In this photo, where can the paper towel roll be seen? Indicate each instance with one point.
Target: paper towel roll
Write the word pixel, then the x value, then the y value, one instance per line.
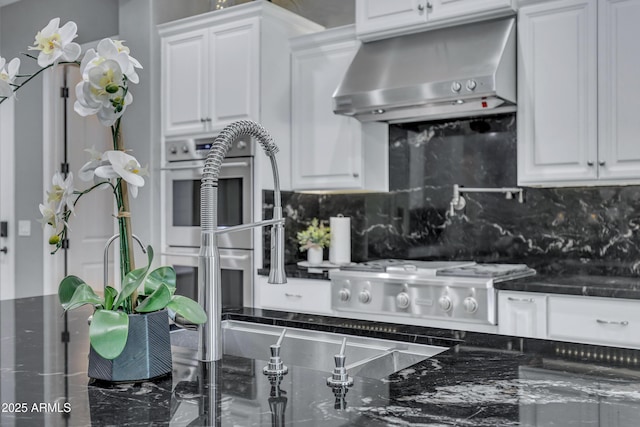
pixel 340 247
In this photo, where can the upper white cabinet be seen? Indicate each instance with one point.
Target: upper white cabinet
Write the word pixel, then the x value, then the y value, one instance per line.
pixel 329 151
pixel 211 77
pixel 577 91
pixel 377 19
pixel 228 65
pixel 185 82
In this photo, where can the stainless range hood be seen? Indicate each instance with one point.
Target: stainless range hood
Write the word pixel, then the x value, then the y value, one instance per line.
pixel 451 72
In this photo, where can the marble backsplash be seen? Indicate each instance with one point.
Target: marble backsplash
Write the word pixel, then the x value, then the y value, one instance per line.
pixel 592 229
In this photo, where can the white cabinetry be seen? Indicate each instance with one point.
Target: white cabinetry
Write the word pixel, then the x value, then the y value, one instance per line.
pixel 522 314
pixel 577 88
pixel 377 19
pixel 228 65
pixel 211 77
pixel 297 295
pixel 185 82
pixel 603 321
pixel 329 151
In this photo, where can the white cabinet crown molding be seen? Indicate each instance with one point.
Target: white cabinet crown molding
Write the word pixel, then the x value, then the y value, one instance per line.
pixel 231 14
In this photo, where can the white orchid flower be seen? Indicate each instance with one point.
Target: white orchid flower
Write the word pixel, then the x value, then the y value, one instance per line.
pixel 55 42
pixel 87 171
pixel 102 93
pixel 8 75
pixel 48 216
pixel 125 166
pixel 61 192
pixel 115 50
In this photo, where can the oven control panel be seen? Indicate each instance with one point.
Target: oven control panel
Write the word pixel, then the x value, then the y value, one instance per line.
pixel 198 148
pixel 461 299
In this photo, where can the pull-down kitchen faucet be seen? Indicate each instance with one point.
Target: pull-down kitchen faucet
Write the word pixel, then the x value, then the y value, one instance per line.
pixel 209 277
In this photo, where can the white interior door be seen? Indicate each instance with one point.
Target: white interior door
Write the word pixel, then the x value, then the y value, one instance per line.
pixel 94 222
pixel 7 201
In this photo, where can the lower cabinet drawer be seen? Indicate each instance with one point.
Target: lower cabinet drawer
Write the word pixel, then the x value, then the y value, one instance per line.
pixel 303 295
pixel 604 321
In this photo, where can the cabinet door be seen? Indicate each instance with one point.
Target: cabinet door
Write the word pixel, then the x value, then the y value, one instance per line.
pixel 522 314
pixel 602 321
pixel 235 71
pixel 557 92
pixel 456 9
pixel 185 83
pixel 380 15
pixel 619 89
pixel 326 148
pixel 297 295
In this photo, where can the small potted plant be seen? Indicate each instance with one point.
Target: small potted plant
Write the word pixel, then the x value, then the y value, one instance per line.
pixel 316 237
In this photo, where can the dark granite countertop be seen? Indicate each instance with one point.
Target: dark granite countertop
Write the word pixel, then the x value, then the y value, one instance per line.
pixel 485 380
pixel 595 285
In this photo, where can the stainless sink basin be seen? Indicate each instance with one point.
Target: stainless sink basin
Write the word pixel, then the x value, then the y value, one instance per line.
pixel 365 356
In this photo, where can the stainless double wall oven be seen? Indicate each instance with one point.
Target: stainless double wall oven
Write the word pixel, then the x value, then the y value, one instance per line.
pixel 183 170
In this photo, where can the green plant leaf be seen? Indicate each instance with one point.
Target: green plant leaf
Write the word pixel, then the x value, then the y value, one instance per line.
pixel 133 280
pixel 108 332
pixel 83 295
pixel 67 288
pixel 187 308
pixel 166 275
pixel 156 301
pixel 110 295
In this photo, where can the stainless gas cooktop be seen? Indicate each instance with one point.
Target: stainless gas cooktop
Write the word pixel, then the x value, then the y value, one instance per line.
pixel 453 290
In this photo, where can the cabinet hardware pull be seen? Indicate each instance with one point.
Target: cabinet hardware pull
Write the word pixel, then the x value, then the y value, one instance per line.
pixel 602 163
pixel 420 7
pixel 521 299
pixel 590 163
pixel 292 295
pixel 612 322
pixel 429 5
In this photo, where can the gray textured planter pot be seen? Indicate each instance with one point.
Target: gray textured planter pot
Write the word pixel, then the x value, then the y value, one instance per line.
pixel 146 355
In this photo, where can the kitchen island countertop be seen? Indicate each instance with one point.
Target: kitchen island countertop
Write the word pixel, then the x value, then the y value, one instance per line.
pixel 481 380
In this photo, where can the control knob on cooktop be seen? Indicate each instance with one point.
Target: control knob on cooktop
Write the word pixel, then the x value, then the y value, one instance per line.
pixel 445 303
pixel 402 300
pixel 364 297
pixel 470 304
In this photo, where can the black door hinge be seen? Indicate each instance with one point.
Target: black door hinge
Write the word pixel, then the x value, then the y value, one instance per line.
pixel 64 92
pixel 65 336
pixel 65 244
pixel 64 168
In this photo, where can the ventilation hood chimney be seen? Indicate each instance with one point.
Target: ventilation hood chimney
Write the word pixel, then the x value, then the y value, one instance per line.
pixel 451 72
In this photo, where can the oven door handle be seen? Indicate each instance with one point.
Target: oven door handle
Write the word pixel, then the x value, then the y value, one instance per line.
pixel 224 165
pixel 180 254
pixel 222 256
